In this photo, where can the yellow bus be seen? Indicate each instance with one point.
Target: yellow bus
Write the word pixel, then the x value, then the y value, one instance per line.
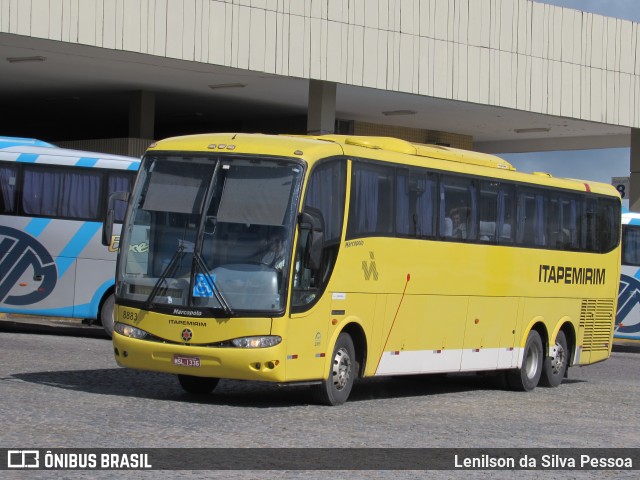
pixel 320 260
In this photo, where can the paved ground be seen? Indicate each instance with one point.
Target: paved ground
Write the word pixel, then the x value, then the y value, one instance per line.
pixel 61 390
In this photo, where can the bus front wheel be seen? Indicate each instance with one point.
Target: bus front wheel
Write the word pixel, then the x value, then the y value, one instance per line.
pixel 555 366
pixel 106 314
pixel 198 385
pixel 335 389
pixel 527 376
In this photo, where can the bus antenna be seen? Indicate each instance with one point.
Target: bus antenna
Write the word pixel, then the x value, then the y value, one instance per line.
pixel 394 320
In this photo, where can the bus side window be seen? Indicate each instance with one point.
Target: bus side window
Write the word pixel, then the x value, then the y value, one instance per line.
pixel 496 212
pixel 458 201
pixel 488 210
pixel 61 193
pixel 8 175
pixel 608 225
pixel 532 222
pixel 630 245
pixel 415 203
pixel 563 218
pixel 371 211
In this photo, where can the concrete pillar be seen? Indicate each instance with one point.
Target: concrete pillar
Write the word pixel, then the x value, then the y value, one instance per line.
pixel 321 114
pixel 142 113
pixel 634 163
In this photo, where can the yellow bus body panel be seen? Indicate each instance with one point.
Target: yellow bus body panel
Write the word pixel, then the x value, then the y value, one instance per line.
pixel 484 329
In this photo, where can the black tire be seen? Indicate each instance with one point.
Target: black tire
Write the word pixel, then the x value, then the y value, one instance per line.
pixel 106 314
pixel 526 378
pixel 336 388
pixel 198 385
pixel 554 368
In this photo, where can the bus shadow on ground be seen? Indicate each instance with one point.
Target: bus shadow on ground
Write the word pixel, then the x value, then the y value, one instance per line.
pixel 51 327
pixel 165 387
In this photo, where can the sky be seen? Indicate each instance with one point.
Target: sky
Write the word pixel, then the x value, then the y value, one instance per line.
pixel 601 164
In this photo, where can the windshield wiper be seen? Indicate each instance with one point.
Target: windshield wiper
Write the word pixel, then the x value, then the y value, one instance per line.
pixel 169 269
pixel 216 291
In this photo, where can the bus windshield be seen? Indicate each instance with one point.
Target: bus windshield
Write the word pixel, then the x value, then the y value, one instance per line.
pixel 210 232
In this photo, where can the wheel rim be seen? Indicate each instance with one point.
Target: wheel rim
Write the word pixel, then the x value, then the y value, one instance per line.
pixel 532 362
pixel 341 372
pixel 557 362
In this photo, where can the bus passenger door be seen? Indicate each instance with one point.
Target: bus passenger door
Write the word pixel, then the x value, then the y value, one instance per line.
pixel 489 335
pixel 316 252
pixel 309 321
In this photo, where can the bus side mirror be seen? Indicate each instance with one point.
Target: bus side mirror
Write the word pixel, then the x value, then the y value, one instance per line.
pixel 107 226
pixel 311 220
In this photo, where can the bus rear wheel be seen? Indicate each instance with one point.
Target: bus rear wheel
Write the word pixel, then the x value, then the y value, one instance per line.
pixel 336 388
pixel 526 378
pixel 555 366
pixel 106 314
pixel 198 385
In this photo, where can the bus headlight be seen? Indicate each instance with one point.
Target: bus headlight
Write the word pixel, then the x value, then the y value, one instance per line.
pixel 129 331
pixel 257 342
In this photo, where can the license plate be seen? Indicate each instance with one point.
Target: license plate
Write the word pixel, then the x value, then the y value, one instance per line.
pixel 181 361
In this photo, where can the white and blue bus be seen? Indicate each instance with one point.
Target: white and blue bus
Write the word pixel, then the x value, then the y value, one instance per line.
pixel 52 261
pixel 628 316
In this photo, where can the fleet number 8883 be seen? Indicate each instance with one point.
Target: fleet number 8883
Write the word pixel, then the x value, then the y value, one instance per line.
pixel 131 316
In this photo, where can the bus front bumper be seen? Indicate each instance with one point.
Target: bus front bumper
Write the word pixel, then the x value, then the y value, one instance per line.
pixel 260 364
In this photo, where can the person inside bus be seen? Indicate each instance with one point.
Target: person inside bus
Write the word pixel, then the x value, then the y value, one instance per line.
pixel 274 255
pixel 459 219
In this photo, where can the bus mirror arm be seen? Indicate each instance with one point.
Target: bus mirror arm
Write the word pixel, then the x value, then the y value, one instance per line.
pixel 312 221
pixel 107 226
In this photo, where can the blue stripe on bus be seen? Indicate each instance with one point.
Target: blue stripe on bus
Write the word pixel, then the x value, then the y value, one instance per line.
pixel 133 166
pixel 46 312
pixel 87 310
pixel 86 162
pixel 72 250
pixel 36 226
pixel 27 157
pixel 624 336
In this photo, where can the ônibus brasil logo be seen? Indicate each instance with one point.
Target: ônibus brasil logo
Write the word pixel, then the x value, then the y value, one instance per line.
pixel 18 253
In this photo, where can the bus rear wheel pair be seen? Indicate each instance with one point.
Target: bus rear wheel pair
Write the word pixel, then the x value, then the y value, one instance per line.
pixel 538 368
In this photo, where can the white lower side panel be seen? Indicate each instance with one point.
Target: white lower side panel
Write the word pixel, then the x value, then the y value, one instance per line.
pixel 440 361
